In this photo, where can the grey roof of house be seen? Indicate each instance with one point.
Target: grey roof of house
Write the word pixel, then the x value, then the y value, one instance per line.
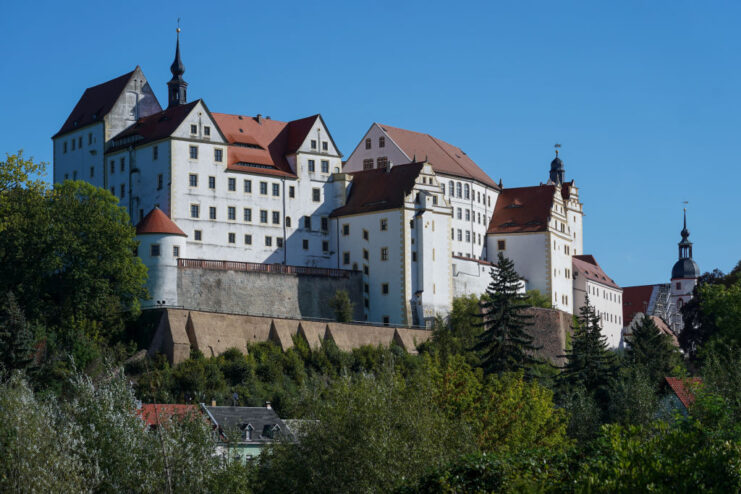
pixel 266 424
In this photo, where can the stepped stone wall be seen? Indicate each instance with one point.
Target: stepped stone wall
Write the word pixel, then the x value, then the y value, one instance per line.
pixel 179 330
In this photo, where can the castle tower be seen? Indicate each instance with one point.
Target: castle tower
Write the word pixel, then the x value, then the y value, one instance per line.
pixel 177 87
pixel 684 275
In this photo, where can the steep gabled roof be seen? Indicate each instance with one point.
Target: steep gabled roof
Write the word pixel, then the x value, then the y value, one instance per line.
pixel 522 209
pixel 261 145
pixel 379 189
pixel 152 128
pixel 683 388
pixel 266 424
pixel 588 267
pixel 444 157
pixel 157 222
pixel 155 413
pixel 95 103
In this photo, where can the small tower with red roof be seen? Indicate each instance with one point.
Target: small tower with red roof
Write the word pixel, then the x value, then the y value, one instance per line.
pixel 161 244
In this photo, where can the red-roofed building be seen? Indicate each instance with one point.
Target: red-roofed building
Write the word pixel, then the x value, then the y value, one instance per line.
pixel 683 391
pixel 156 414
pixel 470 191
pixel 590 281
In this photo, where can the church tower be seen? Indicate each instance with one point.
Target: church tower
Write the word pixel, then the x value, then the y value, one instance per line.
pixel 177 87
pixel 684 274
pixel 557 169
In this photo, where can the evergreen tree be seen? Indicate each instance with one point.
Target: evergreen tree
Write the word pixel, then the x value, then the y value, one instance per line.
pixel 342 306
pixel 652 350
pixel 589 362
pixel 16 337
pixel 505 344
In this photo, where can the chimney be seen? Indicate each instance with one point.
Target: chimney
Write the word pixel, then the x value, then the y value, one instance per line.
pixel 259 118
pixel 268 406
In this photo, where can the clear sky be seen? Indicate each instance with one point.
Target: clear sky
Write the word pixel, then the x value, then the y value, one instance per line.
pixel 645 97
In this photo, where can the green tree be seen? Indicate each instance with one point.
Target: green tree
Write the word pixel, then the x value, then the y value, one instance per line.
pixel 342 306
pixel 537 299
pixel 634 399
pixel 505 344
pixel 653 350
pixel 589 362
pixel 19 172
pixel 16 336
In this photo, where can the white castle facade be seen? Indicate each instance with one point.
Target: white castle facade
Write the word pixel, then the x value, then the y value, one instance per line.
pixel 417 216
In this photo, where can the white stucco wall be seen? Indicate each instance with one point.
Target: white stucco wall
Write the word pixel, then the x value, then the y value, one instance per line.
pixel 607 302
pixel 162 269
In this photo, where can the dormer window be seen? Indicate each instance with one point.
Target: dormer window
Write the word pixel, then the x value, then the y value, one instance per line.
pixel 248 432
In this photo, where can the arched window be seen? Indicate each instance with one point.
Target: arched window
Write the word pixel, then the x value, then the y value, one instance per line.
pixel 458 189
pixel 288 222
pixel 467 190
pixel 452 188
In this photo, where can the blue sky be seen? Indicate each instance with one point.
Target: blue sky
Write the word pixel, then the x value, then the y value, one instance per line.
pixel 645 97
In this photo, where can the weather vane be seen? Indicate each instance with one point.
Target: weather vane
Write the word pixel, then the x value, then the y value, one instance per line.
pixel 685 203
pixel 557 146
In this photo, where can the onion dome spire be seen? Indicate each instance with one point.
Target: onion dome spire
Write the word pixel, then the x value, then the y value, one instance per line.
pixel 685 267
pixel 557 169
pixel 177 87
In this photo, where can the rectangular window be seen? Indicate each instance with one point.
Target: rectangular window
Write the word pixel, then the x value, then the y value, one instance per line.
pixel 313 144
pixel 232 238
pixel 64 147
pixel 92 171
pixel 263 216
pixel 279 242
pixel 264 188
pixel 247 214
pixel 305 244
pixel 459 213
pixel 325 146
pixel 325 246
pixel 211 182
pixel 368 164
pixel 385 288
pixel 384 253
pixel 468 236
pixel 247 239
pixel 367 143
pixel 316 195
pixel 345 230
pixel 193 180
pixel 276 218
pixel 206 130
pixel 287 221
pixel 123 164
pixel 74 144
pixel 123 190
pixel 382 162
pixel 113 166
pixel 248 186
pixel 366 271
pixel 232 184
pixel 460 235
pixel 291 191
pixel 468 215
pixel 381 142
pixel 268 241
pixel 276 190
pixel 197 235
pixel 175 251
pixel 212 213
pixel 384 224
pixel 195 210
pixel 312 165
pixel 193 129
pixel 325 166
pixel 155 153
pixel 365 234
pixel 414 257
pixel 154 250
pixel 218 155
pixel 345 258
pixel 194 152
pixel 231 212
pixel 365 254
pixel 325 223
pixel 386 320
pixel 307 222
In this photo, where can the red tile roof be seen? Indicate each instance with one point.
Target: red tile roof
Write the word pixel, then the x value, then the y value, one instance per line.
pixel 95 103
pixel 588 267
pixel 262 146
pixel 158 222
pixel 522 209
pixel 684 388
pixel 155 413
pixel 379 190
pixel 635 299
pixel 444 158
pixel 152 128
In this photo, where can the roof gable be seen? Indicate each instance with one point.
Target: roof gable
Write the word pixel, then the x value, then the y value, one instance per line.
pixel 444 157
pixel 95 103
pixel 684 388
pixel 587 266
pixel 523 209
pixel 379 189
pixel 636 299
pixel 152 128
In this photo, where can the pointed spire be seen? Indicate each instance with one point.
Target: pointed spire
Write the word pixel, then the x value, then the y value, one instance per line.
pixel 177 87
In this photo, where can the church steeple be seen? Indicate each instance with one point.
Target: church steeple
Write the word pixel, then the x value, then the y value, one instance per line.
pixel 685 246
pixel 557 169
pixel 685 267
pixel 177 87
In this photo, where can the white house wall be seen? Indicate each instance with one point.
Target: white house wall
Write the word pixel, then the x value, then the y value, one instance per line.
pixel 607 302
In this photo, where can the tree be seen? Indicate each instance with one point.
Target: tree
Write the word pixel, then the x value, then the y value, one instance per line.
pixel 67 254
pixel 342 306
pixel 16 337
pixel 589 362
pixel 653 350
pixel 18 172
pixel 505 344
pixel 537 299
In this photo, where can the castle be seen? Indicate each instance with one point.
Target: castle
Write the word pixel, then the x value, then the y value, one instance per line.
pixel 405 224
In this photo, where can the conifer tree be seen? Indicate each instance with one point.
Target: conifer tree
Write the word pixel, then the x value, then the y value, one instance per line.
pixel 504 344
pixel 16 337
pixel 589 362
pixel 652 349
